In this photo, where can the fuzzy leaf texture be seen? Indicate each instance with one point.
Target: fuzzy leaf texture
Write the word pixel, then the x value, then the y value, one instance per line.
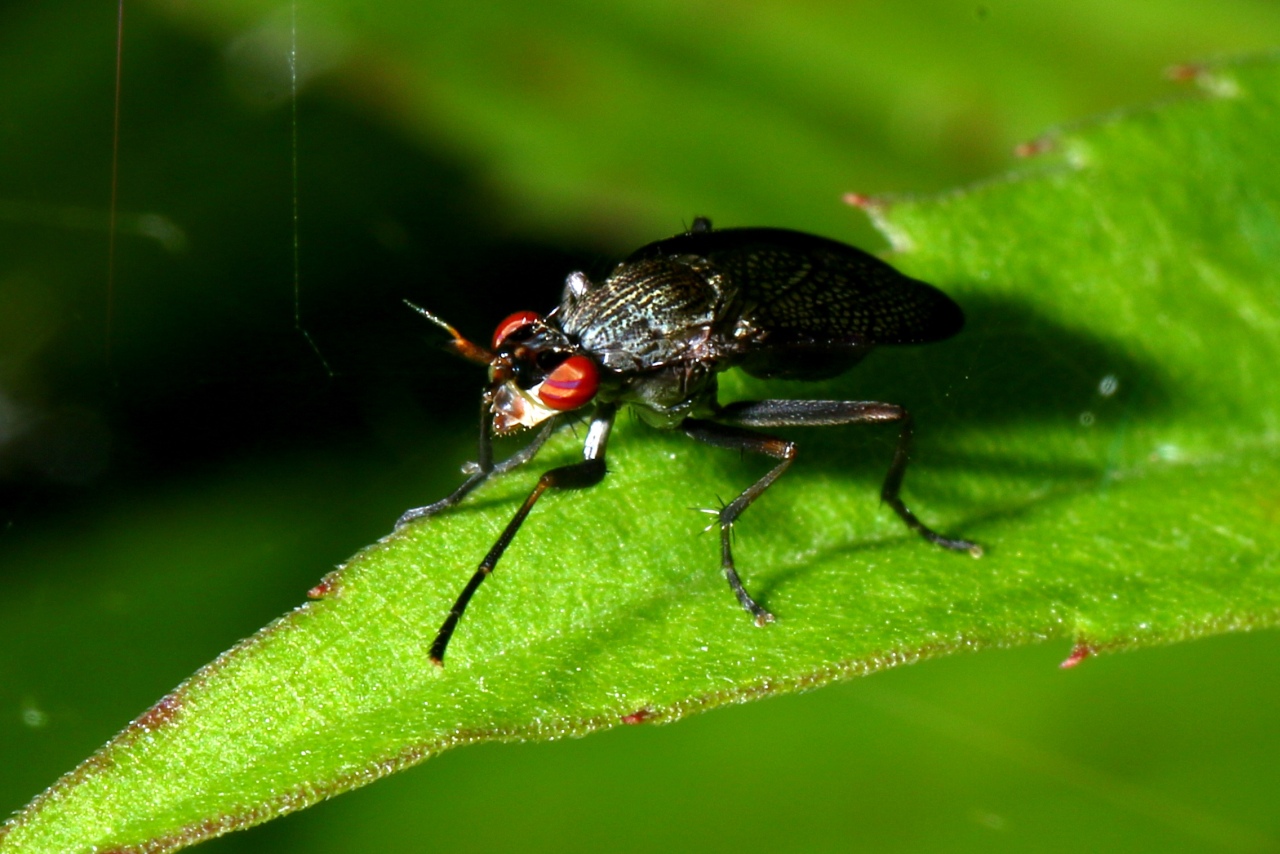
pixel 1106 426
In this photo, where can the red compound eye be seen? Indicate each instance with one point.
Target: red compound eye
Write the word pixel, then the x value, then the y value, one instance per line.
pixel 570 385
pixel 511 323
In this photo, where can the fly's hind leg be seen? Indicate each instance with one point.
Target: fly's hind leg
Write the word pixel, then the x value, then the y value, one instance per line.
pixel 730 431
pixel 830 413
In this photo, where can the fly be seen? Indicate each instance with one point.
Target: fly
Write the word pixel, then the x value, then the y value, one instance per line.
pixel 655 334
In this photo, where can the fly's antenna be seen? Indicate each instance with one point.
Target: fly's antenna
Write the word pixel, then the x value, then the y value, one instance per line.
pixel 466 349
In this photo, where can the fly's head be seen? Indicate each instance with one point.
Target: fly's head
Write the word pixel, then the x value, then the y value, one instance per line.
pixel 536 372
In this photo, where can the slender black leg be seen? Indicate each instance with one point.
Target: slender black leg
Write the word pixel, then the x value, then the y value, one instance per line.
pixel 726 436
pixel 483 468
pixel 728 432
pixel 589 472
pixel 822 413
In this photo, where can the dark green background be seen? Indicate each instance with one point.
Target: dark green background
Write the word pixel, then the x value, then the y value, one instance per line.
pixel 177 466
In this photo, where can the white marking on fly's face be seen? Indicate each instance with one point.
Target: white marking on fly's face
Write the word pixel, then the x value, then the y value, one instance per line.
pixel 514 407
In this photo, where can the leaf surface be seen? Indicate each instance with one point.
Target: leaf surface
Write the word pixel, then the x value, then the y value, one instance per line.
pixel 1106 426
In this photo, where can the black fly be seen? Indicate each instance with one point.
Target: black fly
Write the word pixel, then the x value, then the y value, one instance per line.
pixel 658 330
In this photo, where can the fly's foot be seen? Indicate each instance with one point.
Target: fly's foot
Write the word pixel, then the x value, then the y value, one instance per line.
pixel 422 512
pixel 719 514
pixel 953 544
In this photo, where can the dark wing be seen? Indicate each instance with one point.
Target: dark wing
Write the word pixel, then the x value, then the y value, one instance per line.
pixel 809 307
pixel 809 287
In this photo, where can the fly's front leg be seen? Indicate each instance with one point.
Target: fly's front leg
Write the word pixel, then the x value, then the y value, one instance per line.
pixel 589 472
pixel 820 413
pixel 483 468
pixel 736 438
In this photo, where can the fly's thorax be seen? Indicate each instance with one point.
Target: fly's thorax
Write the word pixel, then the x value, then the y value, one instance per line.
pixel 646 314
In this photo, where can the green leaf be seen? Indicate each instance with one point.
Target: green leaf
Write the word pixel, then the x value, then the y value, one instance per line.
pixel 1105 426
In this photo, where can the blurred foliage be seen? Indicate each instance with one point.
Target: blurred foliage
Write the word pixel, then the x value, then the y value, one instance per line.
pixel 178 466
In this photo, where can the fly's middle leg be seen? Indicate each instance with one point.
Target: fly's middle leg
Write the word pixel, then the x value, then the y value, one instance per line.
pixel 737 438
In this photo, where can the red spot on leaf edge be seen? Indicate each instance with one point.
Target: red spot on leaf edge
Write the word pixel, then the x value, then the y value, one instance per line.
pixel 1079 653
